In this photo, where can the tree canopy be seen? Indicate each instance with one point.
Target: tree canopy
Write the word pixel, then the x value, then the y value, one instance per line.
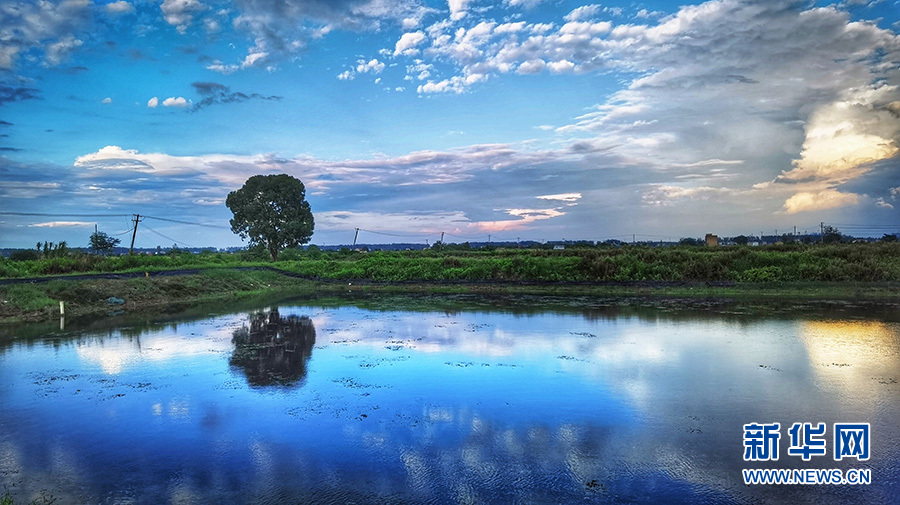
pixel 271 211
pixel 102 242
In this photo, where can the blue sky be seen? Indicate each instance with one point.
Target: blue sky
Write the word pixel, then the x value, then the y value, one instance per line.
pixel 531 119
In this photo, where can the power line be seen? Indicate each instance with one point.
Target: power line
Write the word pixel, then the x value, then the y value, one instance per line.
pixel 168 237
pixel 393 234
pixel 187 222
pixel 467 238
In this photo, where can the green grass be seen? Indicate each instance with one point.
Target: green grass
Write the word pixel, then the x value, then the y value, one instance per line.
pixel 875 262
pixel 26 297
pixel 793 263
pixel 33 301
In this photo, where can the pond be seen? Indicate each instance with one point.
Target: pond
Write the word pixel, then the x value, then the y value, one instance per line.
pixel 474 401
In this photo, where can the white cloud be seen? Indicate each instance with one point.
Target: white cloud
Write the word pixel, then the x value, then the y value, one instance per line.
pixel 562 197
pixel 52 27
pixel 583 12
pixel 561 66
pixel 222 68
pixel 284 28
pixel 664 194
pixel 58 51
pixel 882 204
pixel 175 102
pixel 180 13
pixel 528 4
pixel 458 9
pixel 534 66
pixel 61 224
pixel 106 100
pixel 253 58
pixel 374 66
pixel 844 137
pixel 120 7
pixel 346 75
pixel 524 218
pixel 408 42
pixel 822 200
pixel 153 102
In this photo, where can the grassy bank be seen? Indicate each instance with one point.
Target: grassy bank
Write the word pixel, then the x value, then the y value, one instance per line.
pixel 40 301
pixel 870 262
pixel 839 271
pixel 20 302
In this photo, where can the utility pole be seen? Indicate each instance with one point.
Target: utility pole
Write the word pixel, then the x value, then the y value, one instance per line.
pixel 822 232
pixel 354 238
pixel 137 219
pixel 489 239
pixel 442 241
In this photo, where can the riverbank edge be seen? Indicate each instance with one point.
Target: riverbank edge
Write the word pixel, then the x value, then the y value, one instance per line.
pixel 28 302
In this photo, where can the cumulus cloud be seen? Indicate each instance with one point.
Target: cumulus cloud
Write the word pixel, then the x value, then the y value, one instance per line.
pixel 822 200
pixel 374 66
pixel 408 42
pixel 845 137
pixel 106 100
pixel 153 102
pixel 814 86
pixel 50 26
pixel 283 29
pixel 175 102
pixel 584 12
pixel 528 4
pixel 120 7
pixel 458 9
pixel 256 56
pixel 180 13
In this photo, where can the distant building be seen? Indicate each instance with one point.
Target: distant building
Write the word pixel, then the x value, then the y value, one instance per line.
pixel 712 240
pixel 559 247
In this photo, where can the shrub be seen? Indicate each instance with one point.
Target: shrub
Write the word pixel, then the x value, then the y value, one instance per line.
pixel 764 274
pixel 25 255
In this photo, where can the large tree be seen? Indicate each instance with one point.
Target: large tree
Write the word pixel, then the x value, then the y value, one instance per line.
pixel 271 211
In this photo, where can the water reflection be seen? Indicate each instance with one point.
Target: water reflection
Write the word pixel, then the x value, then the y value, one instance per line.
pixel 441 406
pixel 274 350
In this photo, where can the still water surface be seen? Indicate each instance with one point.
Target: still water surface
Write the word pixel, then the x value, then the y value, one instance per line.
pixel 335 403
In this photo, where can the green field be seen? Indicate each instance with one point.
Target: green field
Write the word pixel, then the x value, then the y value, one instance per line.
pixel 811 272
pixel 867 262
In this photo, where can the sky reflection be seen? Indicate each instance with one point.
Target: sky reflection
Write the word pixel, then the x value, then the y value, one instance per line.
pixel 342 403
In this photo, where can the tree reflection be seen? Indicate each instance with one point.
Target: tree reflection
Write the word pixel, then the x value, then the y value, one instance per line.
pixel 274 350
